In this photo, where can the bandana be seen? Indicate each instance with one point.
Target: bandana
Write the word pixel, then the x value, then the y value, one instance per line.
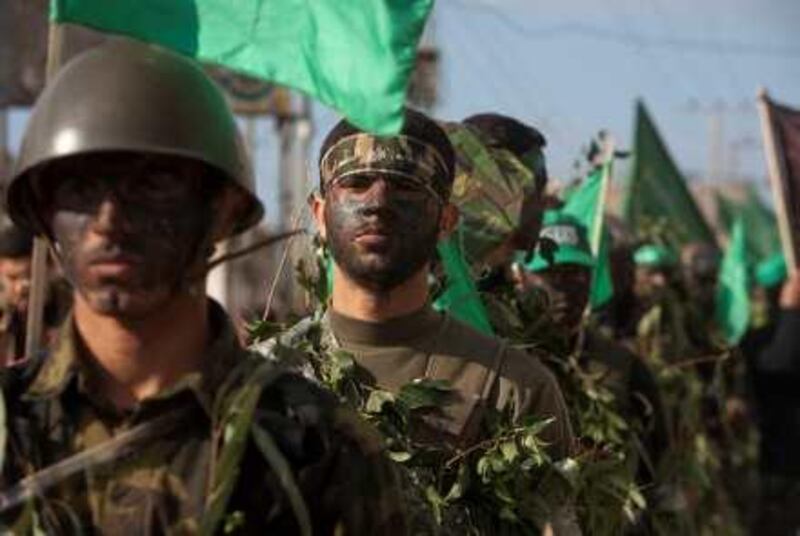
pixel 401 156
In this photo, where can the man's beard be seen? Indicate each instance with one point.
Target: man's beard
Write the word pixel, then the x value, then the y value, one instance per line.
pixel 411 244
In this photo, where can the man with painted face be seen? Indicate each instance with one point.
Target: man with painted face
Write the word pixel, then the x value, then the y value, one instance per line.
pixel 16 246
pixel 507 137
pixel 15 277
pixel 147 417
pixel 383 205
pixel 566 278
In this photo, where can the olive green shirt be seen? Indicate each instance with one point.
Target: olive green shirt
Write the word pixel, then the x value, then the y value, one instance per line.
pixel 484 371
pixel 168 484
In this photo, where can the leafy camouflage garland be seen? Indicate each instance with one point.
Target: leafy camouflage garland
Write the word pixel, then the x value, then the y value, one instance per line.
pixel 505 484
pixel 608 500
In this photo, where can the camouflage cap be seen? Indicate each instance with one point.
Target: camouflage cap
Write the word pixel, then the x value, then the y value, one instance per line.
pixel 490 189
pixel 400 156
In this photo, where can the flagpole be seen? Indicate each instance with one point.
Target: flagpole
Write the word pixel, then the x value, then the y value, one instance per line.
pixel 596 238
pixel 34 328
pixel 776 174
pixel 605 185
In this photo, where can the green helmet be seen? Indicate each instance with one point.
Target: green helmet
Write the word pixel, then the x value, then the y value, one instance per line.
pixel 656 256
pixel 772 271
pixel 129 97
pixel 570 235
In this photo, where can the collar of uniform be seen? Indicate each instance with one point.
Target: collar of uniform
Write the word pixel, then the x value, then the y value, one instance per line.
pixel 63 365
pixel 394 331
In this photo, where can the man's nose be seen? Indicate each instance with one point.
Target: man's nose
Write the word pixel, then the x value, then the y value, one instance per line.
pixel 379 190
pixel 659 280
pixel 110 216
pixel 376 198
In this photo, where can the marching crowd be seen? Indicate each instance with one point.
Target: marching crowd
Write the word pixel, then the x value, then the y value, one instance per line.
pixel 458 374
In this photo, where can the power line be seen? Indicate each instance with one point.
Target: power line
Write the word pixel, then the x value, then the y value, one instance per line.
pixel 728 47
pixel 564 128
pixel 655 63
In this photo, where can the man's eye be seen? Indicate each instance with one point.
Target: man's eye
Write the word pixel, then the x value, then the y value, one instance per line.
pixel 356 183
pixel 408 186
pixel 75 188
pixel 157 187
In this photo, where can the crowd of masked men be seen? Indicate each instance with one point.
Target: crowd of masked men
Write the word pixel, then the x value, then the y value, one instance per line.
pixel 414 399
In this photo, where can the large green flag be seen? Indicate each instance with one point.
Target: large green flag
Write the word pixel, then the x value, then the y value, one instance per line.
pixel 656 190
pixel 460 298
pixel 354 55
pixel 583 203
pixel 733 290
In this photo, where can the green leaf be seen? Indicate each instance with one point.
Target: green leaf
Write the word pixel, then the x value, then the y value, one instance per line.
pixel 509 450
pixel 459 486
pixel 399 456
pixel 279 464
pixel 376 401
pixel 424 393
pixel 262 330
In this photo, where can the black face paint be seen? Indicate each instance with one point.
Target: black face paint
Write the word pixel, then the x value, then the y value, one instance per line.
pixel 568 288
pixel 381 230
pixel 128 240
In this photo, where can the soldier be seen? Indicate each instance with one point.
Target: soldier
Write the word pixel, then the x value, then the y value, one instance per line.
pixel 148 417
pixel 383 205
pixel 618 317
pixel 505 136
pixel 15 274
pixel 16 246
pixel 566 278
pixel 771 351
pixel 700 265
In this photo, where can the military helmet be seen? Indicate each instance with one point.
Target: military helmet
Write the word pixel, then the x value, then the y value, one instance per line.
pixel 129 97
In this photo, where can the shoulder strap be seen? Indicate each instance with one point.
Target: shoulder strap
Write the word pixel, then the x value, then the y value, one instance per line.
pixel 493 374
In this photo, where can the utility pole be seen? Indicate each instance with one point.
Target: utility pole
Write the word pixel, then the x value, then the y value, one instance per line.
pixel 717 115
pixel 716 142
pixel 423 89
pixel 295 130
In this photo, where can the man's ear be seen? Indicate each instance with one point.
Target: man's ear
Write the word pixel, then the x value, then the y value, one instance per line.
pixel 316 203
pixel 448 220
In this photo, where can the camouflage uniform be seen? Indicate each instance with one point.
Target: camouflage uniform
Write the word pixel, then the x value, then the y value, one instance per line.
pixel 181 480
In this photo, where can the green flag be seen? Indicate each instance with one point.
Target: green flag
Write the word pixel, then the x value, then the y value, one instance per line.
pixel 657 191
pixel 583 203
pixel 354 55
pixel 733 297
pixel 763 240
pixel 460 297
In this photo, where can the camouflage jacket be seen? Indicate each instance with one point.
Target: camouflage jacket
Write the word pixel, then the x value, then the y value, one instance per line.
pixel 240 446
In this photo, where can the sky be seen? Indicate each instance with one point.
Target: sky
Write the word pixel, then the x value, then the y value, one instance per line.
pixel 573 67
